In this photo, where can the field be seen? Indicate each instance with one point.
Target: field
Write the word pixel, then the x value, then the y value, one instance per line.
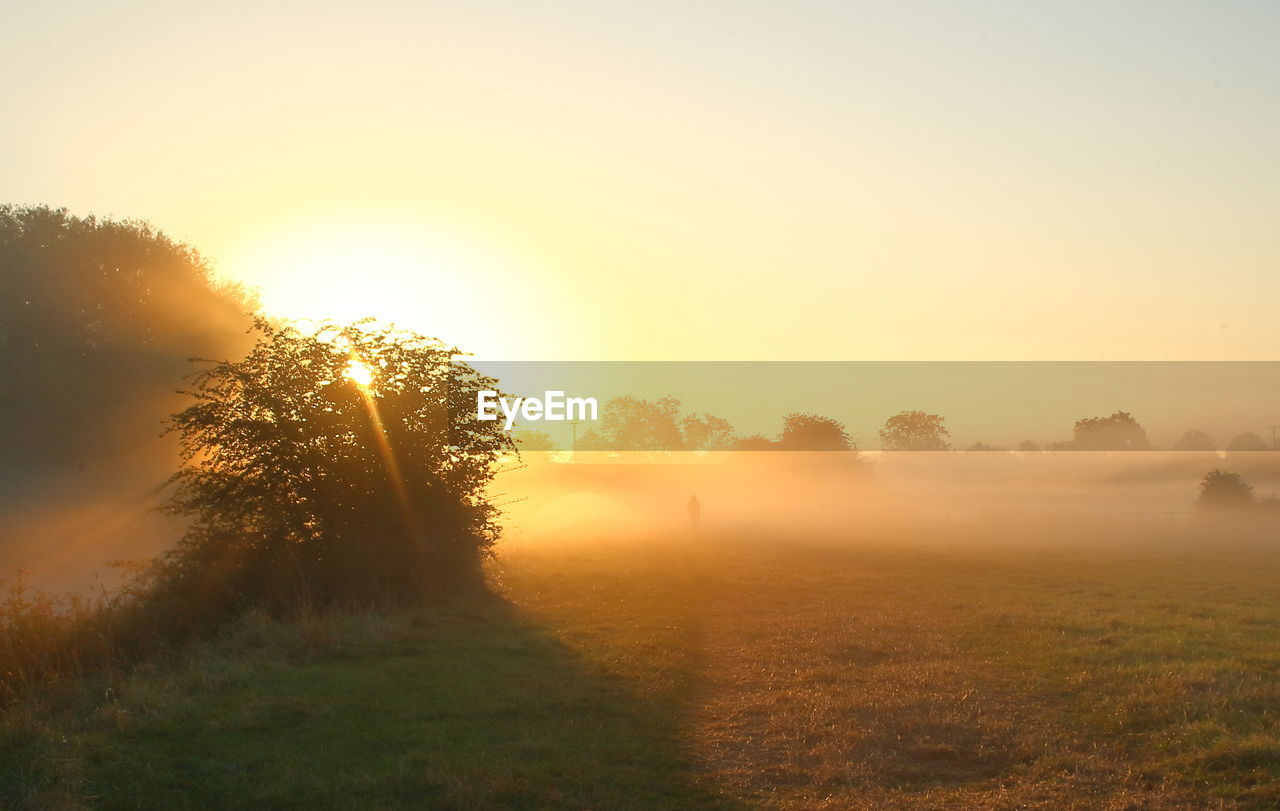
pixel 715 672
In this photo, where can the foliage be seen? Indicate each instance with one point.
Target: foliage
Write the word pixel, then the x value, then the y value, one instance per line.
pixel 1119 432
pixel 1222 490
pixel 98 318
pixel 631 424
pixel 634 424
pixel 303 485
pixel 755 442
pixel 914 431
pixel 534 441
pixel 1195 440
pixel 810 432
pixel 707 432
pixel 1247 442
pixel 45 638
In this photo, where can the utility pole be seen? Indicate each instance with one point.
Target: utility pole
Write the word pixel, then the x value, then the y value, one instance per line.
pixel 1273 436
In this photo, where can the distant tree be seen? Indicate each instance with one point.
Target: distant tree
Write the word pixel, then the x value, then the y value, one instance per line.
pixel 810 432
pixel 534 441
pixel 707 432
pixel 1222 490
pixel 982 446
pixel 98 318
pixel 1119 432
pixel 303 483
pixel 1029 446
pixel 914 431
pixel 631 424
pixel 1194 440
pixel 755 442
pixel 1247 442
pixel 592 441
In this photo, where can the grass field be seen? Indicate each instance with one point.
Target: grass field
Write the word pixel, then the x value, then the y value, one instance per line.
pixel 714 673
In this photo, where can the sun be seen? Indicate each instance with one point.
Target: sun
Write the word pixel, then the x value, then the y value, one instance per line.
pixel 348 269
pixel 359 373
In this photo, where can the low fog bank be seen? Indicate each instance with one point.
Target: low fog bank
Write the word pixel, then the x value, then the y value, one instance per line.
pixel 1084 498
pixel 65 525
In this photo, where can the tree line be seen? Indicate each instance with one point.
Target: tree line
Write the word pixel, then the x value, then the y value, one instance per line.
pixel 635 424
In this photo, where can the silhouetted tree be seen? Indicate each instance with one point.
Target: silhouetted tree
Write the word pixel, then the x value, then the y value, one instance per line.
pixel 755 442
pixel 1247 442
pixel 914 431
pixel 631 424
pixel 302 483
pixel 810 432
pixel 591 441
pixel 1195 440
pixel 1029 446
pixel 982 446
pixel 1222 490
pixel 707 432
pixel 97 321
pixel 534 441
pixel 1119 432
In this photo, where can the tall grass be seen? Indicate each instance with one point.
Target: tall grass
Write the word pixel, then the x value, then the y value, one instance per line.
pixel 45 639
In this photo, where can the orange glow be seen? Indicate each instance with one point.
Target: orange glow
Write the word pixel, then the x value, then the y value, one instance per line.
pixel 359 373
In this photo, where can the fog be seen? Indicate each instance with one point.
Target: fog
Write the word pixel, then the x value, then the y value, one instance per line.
pixel 946 497
pixel 63 525
pixel 68 524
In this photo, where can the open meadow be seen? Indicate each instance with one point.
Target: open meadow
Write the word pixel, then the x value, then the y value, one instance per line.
pixel 716 672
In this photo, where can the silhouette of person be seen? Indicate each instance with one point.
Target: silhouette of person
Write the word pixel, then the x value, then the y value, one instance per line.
pixel 695 512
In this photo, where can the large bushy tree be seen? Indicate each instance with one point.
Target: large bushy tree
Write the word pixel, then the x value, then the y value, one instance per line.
pixel 1248 441
pixel 98 318
pixel 304 483
pixel 1195 440
pixel 812 432
pixel 1222 490
pixel 634 424
pixel 707 432
pixel 1119 432
pixel 914 431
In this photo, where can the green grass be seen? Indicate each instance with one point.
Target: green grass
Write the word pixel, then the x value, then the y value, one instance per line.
pixel 363 712
pixel 719 673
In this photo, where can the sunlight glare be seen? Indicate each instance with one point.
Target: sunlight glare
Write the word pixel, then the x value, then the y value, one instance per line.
pixel 346 269
pixel 359 373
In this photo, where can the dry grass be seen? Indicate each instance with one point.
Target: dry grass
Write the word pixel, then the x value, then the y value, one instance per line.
pixel 821 677
pixel 718 673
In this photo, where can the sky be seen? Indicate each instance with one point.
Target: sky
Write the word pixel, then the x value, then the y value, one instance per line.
pixel 688 180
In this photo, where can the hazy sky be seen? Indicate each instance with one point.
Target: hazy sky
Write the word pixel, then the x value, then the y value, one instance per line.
pixel 843 180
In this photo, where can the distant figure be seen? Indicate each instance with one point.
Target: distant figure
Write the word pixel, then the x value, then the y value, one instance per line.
pixel 695 512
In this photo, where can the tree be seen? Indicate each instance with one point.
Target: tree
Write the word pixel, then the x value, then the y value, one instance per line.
pixel 631 424
pixel 1029 446
pixel 344 466
pixel 1247 442
pixel 98 318
pixel 534 441
pixel 1119 432
pixel 1222 490
pixel 810 432
pixel 1195 440
pixel 755 442
pixel 707 432
pixel 982 446
pixel 914 431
